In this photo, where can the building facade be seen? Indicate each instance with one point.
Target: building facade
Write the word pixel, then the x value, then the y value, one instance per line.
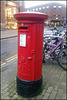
pixel 2 13
pixel 56 12
pixel 8 9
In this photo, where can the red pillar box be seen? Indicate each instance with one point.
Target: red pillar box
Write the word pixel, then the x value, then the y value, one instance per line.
pixel 30 49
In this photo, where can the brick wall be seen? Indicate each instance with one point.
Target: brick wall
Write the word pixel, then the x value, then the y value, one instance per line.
pixel 51 11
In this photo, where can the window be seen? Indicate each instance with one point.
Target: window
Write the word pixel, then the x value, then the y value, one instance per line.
pixel 54 7
pixel 59 7
pixel 43 7
pixel 39 8
pixel 56 17
pixel 54 14
pixel 47 7
pixel 36 9
pixel 20 2
pixel 33 9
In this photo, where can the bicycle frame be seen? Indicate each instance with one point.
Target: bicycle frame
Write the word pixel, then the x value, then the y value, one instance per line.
pixel 54 47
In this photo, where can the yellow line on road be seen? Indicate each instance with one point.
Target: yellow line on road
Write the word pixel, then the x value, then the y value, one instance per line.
pixel 3 64
pixel 11 57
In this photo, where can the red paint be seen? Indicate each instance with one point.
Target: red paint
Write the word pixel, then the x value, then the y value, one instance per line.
pixel 30 57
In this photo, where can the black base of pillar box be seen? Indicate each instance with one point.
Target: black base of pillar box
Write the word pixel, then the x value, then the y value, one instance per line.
pixel 28 88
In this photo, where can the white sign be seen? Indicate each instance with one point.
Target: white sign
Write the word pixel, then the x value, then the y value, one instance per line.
pixel 23 40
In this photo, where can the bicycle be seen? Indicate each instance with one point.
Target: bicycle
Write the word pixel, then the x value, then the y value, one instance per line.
pixel 62 58
pixel 54 51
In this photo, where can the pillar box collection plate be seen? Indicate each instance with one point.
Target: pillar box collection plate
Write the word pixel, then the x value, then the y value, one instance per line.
pixel 30 50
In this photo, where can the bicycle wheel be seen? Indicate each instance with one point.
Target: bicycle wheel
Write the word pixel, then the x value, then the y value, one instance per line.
pixel 62 58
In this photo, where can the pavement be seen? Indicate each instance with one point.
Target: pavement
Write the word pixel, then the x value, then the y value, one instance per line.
pixel 53 88
pixel 9 33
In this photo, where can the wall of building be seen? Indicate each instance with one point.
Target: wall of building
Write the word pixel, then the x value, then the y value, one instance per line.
pixel 56 11
pixel 2 12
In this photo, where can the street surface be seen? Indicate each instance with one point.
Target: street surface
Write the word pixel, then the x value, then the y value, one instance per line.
pixel 8 49
pixel 54 77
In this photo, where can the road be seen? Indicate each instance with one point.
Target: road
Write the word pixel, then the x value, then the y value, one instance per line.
pixel 8 49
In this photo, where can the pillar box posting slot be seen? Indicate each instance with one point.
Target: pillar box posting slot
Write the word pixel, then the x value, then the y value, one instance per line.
pixel 30 49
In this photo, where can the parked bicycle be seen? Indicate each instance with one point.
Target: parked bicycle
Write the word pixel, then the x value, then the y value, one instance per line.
pixel 56 51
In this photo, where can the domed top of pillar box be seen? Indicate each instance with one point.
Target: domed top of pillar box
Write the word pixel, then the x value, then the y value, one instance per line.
pixel 30 16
